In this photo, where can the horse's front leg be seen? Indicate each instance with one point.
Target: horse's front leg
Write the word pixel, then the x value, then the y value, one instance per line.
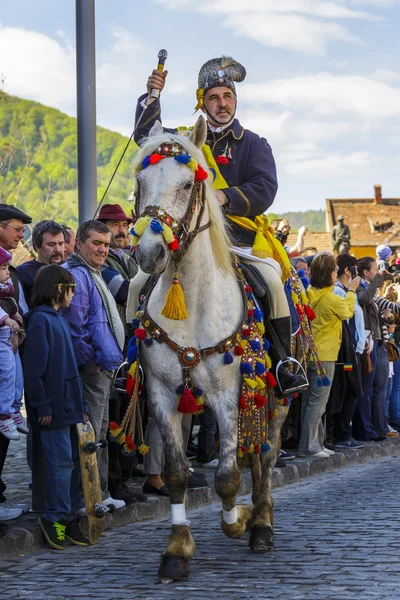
pixel 261 531
pixel 235 519
pixel 174 564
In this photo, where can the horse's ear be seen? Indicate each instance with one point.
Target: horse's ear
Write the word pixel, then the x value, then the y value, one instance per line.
pixel 199 133
pixel 157 129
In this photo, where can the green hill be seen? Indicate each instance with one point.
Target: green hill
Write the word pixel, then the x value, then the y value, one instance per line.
pixel 38 165
pixel 38 161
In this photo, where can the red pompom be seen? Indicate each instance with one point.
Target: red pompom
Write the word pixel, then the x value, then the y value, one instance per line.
pixel 309 312
pixel 260 400
pixel 113 426
pixel 296 395
pixel 200 174
pixel 243 403
pixel 130 384
pixel 130 443
pixel 174 245
pixel 257 449
pixel 251 312
pixel 244 449
pixel 222 160
pixel 246 332
pixel 271 381
pixel 286 402
pixel 238 350
pixel 248 288
pixel 140 334
pixel 299 310
pixel 155 158
pixel 187 403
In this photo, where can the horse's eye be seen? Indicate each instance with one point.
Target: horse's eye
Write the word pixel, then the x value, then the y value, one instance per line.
pixel 189 185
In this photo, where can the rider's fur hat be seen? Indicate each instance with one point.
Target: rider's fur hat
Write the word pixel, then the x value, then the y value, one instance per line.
pixel 217 72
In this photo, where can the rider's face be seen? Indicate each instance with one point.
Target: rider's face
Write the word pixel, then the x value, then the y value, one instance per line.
pixel 219 105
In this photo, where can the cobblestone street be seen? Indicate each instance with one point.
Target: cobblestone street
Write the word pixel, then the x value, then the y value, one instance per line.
pixel 337 538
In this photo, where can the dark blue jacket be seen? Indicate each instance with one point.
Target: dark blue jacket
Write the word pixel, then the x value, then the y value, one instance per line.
pixel 27 274
pixel 250 172
pixel 51 376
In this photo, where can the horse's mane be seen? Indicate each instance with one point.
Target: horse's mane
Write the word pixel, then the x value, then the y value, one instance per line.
pixel 219 235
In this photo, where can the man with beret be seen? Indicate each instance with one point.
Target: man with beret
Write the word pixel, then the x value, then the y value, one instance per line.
pixel 243 173
pixel 12 221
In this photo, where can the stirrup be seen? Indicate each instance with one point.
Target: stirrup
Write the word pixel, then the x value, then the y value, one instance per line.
pixel 118 382
pixel 300 373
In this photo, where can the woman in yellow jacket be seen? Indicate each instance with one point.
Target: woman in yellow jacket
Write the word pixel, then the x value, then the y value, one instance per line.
pixel 330 311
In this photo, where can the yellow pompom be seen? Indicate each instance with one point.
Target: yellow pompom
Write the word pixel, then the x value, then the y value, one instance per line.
pixel 304 298
pixel 295 298
pixel 121 438
pixel 200 401
pixel 175 305
pixel 140 226
pixel 240 453
pixel 260 383
pixel 143 449
pixel 268 361
pixel 250 383
pixel 244 344
pixel 135 240
pixel 261 328
pixel 167 234
pixel 193 164
pixel 251 449
pixel 133 369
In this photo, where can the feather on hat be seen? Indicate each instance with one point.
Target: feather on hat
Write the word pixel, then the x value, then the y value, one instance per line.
pixel 218 72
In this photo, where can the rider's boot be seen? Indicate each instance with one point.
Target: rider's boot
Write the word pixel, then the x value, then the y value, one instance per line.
pixel 279 334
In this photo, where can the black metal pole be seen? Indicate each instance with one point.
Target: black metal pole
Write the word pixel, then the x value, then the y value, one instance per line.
pixel 86 108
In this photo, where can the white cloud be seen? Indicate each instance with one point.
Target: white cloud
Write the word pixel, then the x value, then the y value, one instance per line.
pixel 300 25
pixel 38 67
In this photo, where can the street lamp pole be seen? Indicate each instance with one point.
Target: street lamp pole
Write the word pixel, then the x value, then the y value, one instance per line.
pixel 86 108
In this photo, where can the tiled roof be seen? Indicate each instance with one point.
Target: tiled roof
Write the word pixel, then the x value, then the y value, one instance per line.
pixel 320 239
pixel 362 214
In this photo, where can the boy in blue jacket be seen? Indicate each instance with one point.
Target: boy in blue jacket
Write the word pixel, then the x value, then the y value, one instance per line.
pixel 53 391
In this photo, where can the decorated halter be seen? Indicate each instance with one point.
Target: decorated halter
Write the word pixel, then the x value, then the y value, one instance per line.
pixel 176 234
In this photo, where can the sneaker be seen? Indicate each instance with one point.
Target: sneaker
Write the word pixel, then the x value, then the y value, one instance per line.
pixel 54 533
pixel 321 454
pixel 392 432
pixel 20 422
pixel 353 444
pixel 22 506
pixel 286 455
pixel 9 429
pixel 213 464
pixel 114 502
pixel 7 513
pixel 73 533
pixel 327 451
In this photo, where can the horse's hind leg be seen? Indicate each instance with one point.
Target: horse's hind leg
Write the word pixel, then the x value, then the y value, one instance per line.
pixel 261 531
pixel 175 560
pixel 235 519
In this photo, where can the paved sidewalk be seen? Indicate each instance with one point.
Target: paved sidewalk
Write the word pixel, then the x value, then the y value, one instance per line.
pixel 337 537
pixel 24 535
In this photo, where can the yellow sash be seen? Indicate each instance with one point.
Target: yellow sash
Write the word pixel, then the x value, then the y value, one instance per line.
pixel 265 243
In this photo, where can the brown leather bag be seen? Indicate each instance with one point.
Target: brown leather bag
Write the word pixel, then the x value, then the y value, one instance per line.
pixel 366 364
pixel 393 353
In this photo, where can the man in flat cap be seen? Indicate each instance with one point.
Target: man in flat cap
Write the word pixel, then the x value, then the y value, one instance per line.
pixel 244 175
pixel 341 236
pixel 12 221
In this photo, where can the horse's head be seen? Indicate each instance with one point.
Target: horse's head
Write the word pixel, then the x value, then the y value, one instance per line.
pixel 169 194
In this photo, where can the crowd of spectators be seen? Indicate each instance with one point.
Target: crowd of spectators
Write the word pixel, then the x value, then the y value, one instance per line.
pixel 63 330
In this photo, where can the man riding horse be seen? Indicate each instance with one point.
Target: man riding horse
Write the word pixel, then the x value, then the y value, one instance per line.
pixel 244 173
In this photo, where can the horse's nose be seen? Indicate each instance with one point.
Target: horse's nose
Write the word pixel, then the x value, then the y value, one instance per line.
pixel 149 261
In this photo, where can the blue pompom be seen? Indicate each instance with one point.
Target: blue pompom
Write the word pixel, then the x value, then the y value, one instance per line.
pixel 258 315
pixel 132 354
pixel 197 391
pixel 179 390
pixel 148 341
pixel 265 448
pixel 135 323
pixel 260 369
pixel 319 382
pixel 266 344
pixel 246 368
pixel 132 342
pixel 305 281
pixel 132 231
pixel 255 346
pixel 183 158
pixel 326 381
pixel 228 358
pixel 156 226
pixel 146 162
pixel 301 273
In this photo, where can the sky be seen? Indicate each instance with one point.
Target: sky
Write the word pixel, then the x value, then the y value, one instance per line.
pixel 322 85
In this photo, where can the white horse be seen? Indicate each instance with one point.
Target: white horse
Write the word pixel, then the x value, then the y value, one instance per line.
pixel 216 310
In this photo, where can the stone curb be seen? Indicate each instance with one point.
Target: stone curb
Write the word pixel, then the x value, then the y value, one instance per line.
pixel 24 534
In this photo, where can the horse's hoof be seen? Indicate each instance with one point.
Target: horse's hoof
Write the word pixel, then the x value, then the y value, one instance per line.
pixel 173 568
pixel 261 538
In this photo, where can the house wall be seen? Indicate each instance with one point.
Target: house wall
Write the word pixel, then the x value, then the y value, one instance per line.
pixel 361 251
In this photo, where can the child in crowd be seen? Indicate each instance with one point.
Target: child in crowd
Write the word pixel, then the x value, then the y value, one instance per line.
pixel 53 392
pixel 11 379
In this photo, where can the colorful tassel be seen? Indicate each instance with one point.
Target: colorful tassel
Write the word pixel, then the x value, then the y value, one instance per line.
pixel 200 174
pixel 271 381
pixel 175 306
pixel 319 382
pixel 265 448
pixel 260 368
pixel 266 344
pixel 243 403
pixel 228 358
pixel 156 226
pixel 143 449
pixel 246 368
pixel 174 245
pixel 167 234
pixel 255 346
pixel 326 381
pixel 238 350
pixel 261 328
pixel 250 383
pixel 140 334
pixel 260 400
pixel 187 403
pixel 132 354
pixel 260 383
